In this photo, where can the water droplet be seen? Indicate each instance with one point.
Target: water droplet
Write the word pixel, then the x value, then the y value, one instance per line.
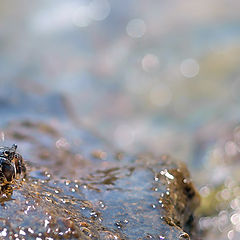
pixel 30 230
pixel 22 232
pixel 167 174
pixel 94 214
pixel 46 222
pixel 3 233
pixel 184 236
pixel 101 204
pixel 118 224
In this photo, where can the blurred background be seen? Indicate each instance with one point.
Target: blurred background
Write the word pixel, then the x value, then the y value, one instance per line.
pixel 148 76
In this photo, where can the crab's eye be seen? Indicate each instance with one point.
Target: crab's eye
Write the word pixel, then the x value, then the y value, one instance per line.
pixel 14 146
pixel 6 153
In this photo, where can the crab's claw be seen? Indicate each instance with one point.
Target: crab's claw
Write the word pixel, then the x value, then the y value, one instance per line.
pixel 19 164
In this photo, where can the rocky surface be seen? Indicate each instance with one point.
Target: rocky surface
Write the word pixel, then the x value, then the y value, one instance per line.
pixel 132 202
pixel 79 188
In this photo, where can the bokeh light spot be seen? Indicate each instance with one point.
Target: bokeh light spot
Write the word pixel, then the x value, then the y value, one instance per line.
pixel 204 191
pixel 230 234
pixel 99 9
pixel 136 28
pixel 189 68
pixel 235 219
pixel 150 62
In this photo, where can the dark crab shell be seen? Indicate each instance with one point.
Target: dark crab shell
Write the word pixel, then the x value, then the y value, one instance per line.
pixel 11 164
pixel 7 170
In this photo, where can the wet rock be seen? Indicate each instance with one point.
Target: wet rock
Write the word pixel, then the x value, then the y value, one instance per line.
pixel 137 200
pixel 78 188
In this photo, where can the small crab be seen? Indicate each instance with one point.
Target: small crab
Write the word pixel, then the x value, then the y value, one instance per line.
pixel 11 164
